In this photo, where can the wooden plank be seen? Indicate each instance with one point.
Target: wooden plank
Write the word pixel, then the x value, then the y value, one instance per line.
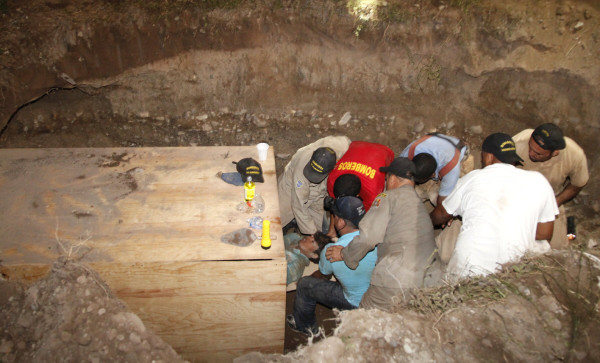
pixel 125 204
pixel 208 311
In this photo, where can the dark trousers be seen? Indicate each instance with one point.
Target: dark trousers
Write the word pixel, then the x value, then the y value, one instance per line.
pixel 310 291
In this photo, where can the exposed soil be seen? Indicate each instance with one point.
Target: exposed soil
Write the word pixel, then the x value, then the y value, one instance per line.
pixel 184 72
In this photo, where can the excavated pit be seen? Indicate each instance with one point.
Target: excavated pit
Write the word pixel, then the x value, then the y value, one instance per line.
pixel 110 74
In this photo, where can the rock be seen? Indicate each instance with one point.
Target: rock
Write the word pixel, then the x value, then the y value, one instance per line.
pixel 562 10
pixel 259 122
pixel 345 119
pixel 134 338
pixel 84 339
pixel 578 26
pixel 450 125
pixel 418 127
pixel 476 129
pixel 144 114
pixel 282 156
pixel 202 117
pixel 592 243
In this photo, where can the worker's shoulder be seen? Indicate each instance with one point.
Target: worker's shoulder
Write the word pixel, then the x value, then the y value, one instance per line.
pixel 573 147
pixel 522 136
pixel 380 198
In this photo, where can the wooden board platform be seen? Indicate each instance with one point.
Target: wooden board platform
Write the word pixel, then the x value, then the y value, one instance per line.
pixel 149 220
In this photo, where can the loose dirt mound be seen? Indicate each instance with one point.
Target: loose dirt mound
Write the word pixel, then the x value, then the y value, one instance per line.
pixel 539 310
pixel 72 316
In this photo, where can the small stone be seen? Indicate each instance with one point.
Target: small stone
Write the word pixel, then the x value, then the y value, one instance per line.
pixel 101 311
pixel 562 10
pixel 518 105
pixel 84 339
pixel 418 127
pixel 592 243
pixel 144 114
pixel 407 346
pixel 259 122
pixel 202 117
pixel 476 129
pixel 282 156
pixel 450 125
pixel 578 26
pixel 487 343
pixel 82 279
pixel 134 338
pixel 345 119
pixel 111 334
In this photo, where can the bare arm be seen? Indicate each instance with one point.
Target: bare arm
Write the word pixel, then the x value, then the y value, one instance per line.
pixel 319 275
pixel 439 216
pixel 544 231
pixel 439 200
pixel 567 194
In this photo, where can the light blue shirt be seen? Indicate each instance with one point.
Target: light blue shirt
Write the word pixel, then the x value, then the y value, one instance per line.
pixel 443 152
pixel 354 282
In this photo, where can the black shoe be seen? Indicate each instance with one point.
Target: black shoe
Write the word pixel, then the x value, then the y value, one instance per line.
pixel 291 322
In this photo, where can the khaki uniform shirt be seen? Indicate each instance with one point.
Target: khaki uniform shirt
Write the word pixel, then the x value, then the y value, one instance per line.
pixel 570 162
pixel 299 198
pixel 401 228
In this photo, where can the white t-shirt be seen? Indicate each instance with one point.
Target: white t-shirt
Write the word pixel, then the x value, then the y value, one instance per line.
pixel 500 207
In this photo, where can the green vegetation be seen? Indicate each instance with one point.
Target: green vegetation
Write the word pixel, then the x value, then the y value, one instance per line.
pixel 572 281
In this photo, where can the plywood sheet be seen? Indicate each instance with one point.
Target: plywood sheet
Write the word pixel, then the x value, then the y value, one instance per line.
pixel 210 310
pixel 128 204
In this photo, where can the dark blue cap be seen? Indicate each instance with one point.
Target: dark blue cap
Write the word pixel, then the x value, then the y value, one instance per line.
pixel 350 208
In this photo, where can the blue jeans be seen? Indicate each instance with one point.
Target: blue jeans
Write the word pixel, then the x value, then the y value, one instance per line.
pixel 310 291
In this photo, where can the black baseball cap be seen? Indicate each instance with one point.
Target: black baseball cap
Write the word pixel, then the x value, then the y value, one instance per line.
pixel 321 163
pixel 503 147
pixel 400 166
pixel 350 208
pixel 250 167
pixel 549 137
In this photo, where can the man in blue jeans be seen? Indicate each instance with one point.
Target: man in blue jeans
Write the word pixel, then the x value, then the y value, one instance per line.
pixel 347 291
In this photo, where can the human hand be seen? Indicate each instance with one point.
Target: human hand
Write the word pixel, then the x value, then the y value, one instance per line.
pixel 334 253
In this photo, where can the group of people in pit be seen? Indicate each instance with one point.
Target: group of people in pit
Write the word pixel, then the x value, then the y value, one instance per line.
pixel 368 218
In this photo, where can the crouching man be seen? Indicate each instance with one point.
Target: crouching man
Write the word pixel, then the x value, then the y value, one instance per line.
pixel 399 225
pixel 345 293
pixel 505 211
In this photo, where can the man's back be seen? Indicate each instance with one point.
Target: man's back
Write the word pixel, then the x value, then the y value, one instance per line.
pixel 295 190
pixel 443 151
pixel 500 206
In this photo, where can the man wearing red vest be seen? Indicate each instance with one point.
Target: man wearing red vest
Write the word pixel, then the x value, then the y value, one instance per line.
pixel 363 159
